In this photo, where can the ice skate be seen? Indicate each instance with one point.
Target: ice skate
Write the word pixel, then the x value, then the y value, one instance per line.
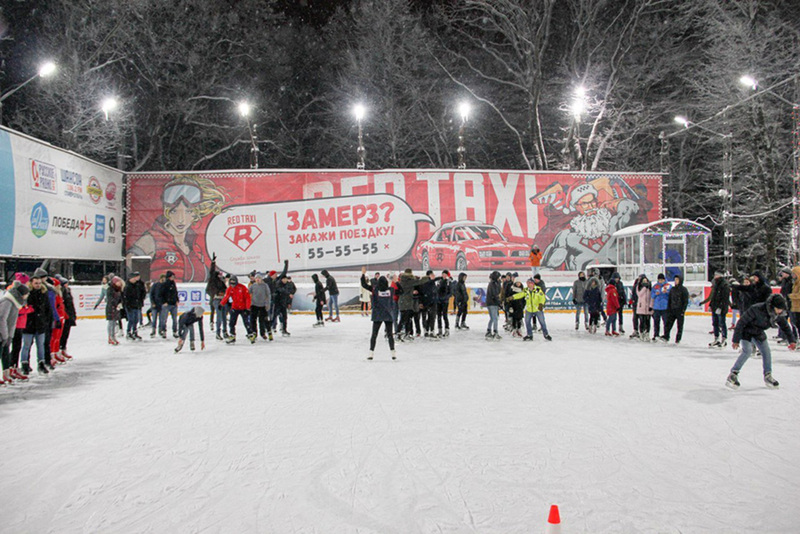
pixel 715 344
pixel 634 335
pixel 65 355
pixel 527 338
pixel 547 337
pixel 163 334
pixel 370 355
pixel 394 354
pixel 230 340
pixel 175 335
pixel 152 334
pixel 42 369
pixel 464 327
pixel 179 347
pixel 318 324
pixel 488 335
pixel 733 380
pixel 58 358
pixel 497 336
pixel 285 333
pixel 608 333
pixel 251 337
pixel 770 382
pixel 446 332
pixel 26 369
pixel 577 325
pixel 458 327
pixel 220 338
pixel 191 345
pixel 615 334
pixel 269 336
pixel 16 374
pixel 723 342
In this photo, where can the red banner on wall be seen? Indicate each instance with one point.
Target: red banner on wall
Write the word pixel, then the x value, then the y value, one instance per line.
pixel 461 220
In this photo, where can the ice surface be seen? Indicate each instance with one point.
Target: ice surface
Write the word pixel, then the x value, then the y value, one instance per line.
pixel 463 435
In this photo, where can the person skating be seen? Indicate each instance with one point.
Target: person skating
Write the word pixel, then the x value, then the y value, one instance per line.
pixel 215 289
pixel 113 305
pixel 156 295
pixel 517 308
pixel 132 300
pixel 785 282
pixel 444 290
pixel 633 304
pixel 537 279
pixel 750 331
pixel 794 295
pixel 506 281
pixel 623 298
pixel 493 304
pixel 644 307
pixel 718 301
pixel 676 310
pixel 239 296
pixel 429 303
pixel 333 296
pixel 407 303
pixel 319 299
pixel 71 319
pixel 578 290
pixel 282 299
pixel 38 323
pixel 59 317
pixel 11 303
pixel 22 320
pixel 461 298
pixel 186 324
pixel 534 308
pixel 260 298
pixel 660 294
pixel 169 295
pixel 612 308
pixel 382 299
pixel 594 301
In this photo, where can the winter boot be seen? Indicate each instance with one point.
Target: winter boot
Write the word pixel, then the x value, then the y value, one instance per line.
pixel 733 380
pixel 371 354
pixel 43 368
pixel 770 382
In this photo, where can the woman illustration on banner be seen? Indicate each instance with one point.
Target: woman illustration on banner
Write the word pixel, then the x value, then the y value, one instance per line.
pixel 170 241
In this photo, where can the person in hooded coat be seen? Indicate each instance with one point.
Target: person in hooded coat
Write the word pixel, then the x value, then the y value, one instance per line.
pixel 794 295
pixel 461 301
pixel 718 301
pixel 113 305
pixel 14 299
pixel 71 320
pixel 186 324
pixel 676 309
pixel 382 300
pixel 644 307
pixel 444 290
pixel 333 292
pixel 319 299
pixel 594 302
pixel 493 304
pixel 750 332
pixel 260 298
pixel 578 290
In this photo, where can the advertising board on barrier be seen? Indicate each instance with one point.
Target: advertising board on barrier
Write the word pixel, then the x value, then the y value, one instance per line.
pixel 457 220
pixel 56 204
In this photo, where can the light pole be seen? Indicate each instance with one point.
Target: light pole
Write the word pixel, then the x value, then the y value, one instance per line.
pixel 463 110
pixel 727 184
pixel 359 111
pixel 752 83
pixel 45 69
pixel 244 111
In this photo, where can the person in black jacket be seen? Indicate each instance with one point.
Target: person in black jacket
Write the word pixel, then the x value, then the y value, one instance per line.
pixel 444 290
pixel 461 301
pixel 133 300
pixel 169 294
pixel 718 301
pixel 215 289
pixel 186 326
pixel 785 281
pixel 319 298
pixel 429 303
pixel 493 305
pixel 72 315
pixel 676 309
pixel 38 324
pixel 382 301
pixel 333 294
pixel 750 331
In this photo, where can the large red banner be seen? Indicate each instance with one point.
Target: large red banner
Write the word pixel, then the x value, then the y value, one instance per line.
pixel 341 220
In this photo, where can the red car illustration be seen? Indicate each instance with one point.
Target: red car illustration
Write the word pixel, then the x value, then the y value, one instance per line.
pixel 470 245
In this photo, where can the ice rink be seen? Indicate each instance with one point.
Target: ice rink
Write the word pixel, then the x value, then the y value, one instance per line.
pixel 303 435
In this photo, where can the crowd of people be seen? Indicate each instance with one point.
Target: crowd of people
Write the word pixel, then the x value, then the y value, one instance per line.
pixel 39 310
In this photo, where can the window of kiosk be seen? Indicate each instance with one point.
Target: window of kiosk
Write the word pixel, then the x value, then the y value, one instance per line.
pixel 637 249
pixel 674 250
pixel 696 248
pixel 653 251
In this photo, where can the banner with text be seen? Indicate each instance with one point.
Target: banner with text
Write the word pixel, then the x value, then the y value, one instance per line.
pixel 457 220
pixel 56 204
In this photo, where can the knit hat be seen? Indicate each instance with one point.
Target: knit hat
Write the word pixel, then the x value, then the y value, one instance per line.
pixel 39 273
pixel 234 280
pixel 661 276
pixel 22 278
pixel 537 276
pixel 170 274
pixel 273 273
pixel 787 271
pixel 199 311
pixel 429 272
pixel 22 289
pixel 408 271
pixel 61 279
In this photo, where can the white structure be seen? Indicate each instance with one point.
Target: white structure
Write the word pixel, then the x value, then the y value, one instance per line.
pixel 669 246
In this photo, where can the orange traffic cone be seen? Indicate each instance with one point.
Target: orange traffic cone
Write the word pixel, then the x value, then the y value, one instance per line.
pixel 553 521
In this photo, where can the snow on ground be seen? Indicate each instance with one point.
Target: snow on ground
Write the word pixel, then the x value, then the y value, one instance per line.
pixel 464 435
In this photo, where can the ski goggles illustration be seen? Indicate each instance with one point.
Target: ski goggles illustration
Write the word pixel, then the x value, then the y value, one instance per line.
pixel 189 193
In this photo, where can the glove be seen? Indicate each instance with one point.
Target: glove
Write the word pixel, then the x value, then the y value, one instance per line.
pixel 574 301
pixel 792 346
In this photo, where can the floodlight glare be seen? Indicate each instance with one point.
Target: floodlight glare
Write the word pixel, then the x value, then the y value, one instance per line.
pixel 244 109
pixel 463 110
pixel 47 69
pixel 749 81
pixel 359 111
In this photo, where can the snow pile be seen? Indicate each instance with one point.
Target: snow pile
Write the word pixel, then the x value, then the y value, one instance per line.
pixel 462 435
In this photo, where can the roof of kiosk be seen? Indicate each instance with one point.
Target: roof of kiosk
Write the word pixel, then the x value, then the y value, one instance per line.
pixel 663 226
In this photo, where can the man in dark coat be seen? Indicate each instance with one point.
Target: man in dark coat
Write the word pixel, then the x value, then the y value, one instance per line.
pixel 676 309
pixel 750 331
pixel 382 302
pixel 427 299
pixel 169 293
pixel 132 300
pixel 444 290
pixel 718 301
pixel 333 296
pixel 461 301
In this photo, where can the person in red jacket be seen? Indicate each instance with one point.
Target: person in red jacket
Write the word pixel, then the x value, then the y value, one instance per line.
pixel 612 308
pixel 239 296
pixel 58 326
